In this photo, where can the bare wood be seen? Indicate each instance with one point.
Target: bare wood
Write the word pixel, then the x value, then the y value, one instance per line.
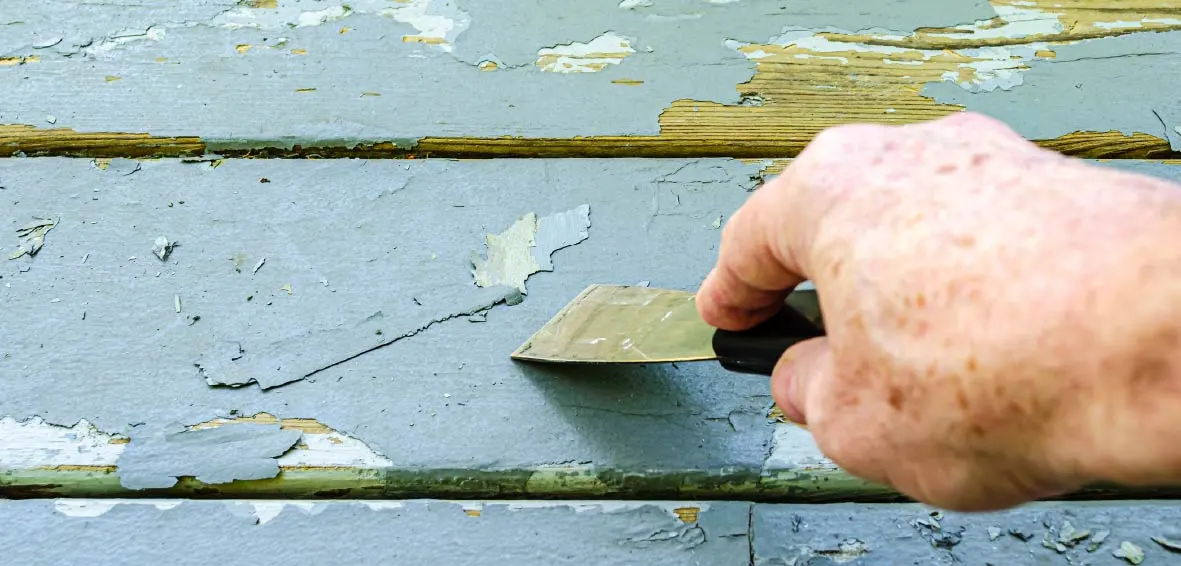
pixel 799 88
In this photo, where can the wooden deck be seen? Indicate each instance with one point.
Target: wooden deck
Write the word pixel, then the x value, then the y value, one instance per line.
pixel 310 332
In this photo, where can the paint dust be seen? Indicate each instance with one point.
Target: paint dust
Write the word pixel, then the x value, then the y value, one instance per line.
pixel 592 57
pixel 525 247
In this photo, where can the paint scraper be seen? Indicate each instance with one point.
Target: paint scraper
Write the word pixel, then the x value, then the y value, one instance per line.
pixel 643 325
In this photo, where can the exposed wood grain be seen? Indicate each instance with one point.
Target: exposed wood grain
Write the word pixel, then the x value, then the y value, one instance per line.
pixel 801 85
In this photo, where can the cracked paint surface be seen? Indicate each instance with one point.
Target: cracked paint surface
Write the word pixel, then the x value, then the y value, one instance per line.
pixel 386 532
pixel 377 256
pixel 590 57
pixel 848 533
pixel 1090 82
pixel 34 444
pixel 615 532
pixel 164 65
pixel 526 247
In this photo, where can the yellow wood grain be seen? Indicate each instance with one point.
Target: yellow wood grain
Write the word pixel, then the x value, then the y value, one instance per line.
pixel 798 90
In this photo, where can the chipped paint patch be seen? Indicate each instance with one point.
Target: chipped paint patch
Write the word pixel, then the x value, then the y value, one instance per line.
pixel 320 445
pixel 159 458
pixel 90 508
pixel 1146 22
pixel 104 46
pixel 14 61
pixel 1012 21
pixel 978 69
pixel 36 444
pixel 32 236
pixel 436 22
pixel 793 448
pixel 525 247
pixel 592 57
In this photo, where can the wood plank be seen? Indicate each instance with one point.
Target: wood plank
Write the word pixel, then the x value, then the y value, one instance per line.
pixel 1044 533
pixel 559 79
pixel 295 273
pixel 382 532
pixel 181 532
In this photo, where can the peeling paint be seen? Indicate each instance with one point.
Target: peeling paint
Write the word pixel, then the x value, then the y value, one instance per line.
pixel 980 69
pixel 32 236
pixel 245 451
pixel 525 247
pixel 35 443
pixel 437 23
pixel 592 57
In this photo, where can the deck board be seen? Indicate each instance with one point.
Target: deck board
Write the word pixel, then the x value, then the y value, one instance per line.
pixel 103 377
pixel 70 531
pixel 755 78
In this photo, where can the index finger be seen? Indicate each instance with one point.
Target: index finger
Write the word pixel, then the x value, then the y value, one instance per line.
pixel 758 259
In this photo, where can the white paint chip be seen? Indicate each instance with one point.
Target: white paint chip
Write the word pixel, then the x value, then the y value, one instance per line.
pixel 525 247
pixel 162 247
pixel 591 57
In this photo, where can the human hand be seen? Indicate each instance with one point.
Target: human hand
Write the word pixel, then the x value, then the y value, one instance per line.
pixel 981 350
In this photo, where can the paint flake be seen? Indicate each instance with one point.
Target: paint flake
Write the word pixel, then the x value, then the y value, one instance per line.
pixel 245 451
pixel 33 236
pixel 1129 552
pixel 525 247
pixel 592 57
pixel 163 247
pixel 35 443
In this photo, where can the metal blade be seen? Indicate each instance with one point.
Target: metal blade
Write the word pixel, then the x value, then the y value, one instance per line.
pixel 623 324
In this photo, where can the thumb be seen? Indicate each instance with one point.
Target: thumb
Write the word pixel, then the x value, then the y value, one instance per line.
pixel 800 368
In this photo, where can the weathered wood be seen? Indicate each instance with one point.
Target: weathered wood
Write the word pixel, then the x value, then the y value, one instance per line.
pixel 284 532
pixel 1043 533
pixel 381 532
pixel 101 373
pixel 558 79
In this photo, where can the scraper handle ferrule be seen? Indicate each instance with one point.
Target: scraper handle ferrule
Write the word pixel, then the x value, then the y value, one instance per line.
pixel 757 350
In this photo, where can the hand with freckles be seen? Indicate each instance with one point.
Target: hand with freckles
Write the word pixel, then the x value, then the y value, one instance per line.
pixel 1003 322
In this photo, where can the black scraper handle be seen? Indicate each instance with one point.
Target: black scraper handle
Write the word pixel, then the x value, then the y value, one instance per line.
pixel 757 349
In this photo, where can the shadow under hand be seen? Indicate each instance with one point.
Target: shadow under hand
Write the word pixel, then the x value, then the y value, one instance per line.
pixel 684 417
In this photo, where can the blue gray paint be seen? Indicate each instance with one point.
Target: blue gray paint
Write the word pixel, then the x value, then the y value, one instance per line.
pixel 680 55
pixel 891 534
pixel 417 532
pixel 245 451
pixel 372 250
pixel 373 339
pixel 1124 83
